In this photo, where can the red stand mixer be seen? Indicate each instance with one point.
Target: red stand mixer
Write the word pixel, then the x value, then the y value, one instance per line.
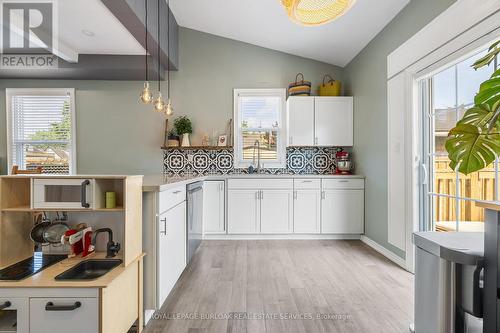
pixel 344 163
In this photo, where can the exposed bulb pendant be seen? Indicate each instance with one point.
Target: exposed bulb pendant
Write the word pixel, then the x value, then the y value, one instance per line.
pixel 159 104
pixel 169 110
pixel 146 94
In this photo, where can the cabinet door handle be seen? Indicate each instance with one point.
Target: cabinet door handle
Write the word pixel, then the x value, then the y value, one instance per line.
pixel 295 195
pixel 83 196
pixel 5 305
pixel 164 226
pixel 51 307
pixel 323 195
pixel 257 195
pixel 261 195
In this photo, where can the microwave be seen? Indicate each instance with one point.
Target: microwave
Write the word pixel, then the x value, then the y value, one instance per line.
pixel 74 193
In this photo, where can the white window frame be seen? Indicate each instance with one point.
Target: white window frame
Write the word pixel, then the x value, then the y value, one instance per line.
pixel 282 129
pixel 10 92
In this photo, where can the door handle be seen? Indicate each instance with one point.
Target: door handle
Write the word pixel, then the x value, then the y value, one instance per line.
pixel 84 202
pixel 51 307
pixel 257 195
pixel 424 173
pixel 164 225
pixel 5 305
pixel 295 195
pixel 323 195
pixel 261 195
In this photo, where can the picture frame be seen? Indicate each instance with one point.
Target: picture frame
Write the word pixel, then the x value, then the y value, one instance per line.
pixel 222 142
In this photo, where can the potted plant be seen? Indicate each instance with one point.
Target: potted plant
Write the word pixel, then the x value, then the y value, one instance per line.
pixel 183 128
pixel 474 142
pixel 173 138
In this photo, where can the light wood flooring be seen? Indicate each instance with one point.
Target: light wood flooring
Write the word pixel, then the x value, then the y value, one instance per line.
pixel 257 286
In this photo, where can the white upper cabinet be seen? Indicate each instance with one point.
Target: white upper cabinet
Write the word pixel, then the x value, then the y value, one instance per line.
pixel 300 115
pixel 320 121
pixel 333 121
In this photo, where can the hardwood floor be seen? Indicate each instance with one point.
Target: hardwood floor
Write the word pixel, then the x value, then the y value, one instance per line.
pixel 256 286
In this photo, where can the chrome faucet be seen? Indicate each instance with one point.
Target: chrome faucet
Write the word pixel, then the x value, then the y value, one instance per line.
pixel 256 144
pixel 112 248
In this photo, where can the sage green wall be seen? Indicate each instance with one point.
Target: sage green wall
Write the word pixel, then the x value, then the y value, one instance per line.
pixel 116 134
pixel 366 78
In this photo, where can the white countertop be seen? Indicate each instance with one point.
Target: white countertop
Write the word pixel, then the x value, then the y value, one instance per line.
pixel 152 183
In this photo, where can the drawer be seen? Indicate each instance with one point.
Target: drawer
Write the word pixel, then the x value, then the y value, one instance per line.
pixel 172 197
pixel 307 184
pixel 14 315
pixel 62 315
pixel 261 184
pixel 355 184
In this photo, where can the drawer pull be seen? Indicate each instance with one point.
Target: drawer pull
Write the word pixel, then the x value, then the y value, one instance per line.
pixel 307 181
pixel 164 225
pixel 51 307
pixel 176 192
pixel 343 181
pixel 5 305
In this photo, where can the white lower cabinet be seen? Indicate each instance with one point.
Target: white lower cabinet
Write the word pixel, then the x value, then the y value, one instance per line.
pixel 15 314
pixel 306 211
pixel 276 211
pixel 62 315
pixel 213 207
pixel 243 211
pixel 171 249
pixel 342 211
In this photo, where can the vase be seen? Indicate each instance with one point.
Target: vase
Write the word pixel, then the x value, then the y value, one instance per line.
pixel 185 140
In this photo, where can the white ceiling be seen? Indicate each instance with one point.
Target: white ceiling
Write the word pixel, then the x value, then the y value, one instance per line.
pixel 265 23
pixel 110 36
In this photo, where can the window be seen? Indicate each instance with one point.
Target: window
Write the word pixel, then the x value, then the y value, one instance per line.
pixel 259 127
pixel 41 129
pixel 451 196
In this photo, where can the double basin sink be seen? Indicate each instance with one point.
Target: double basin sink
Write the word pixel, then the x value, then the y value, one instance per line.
pixel 89 269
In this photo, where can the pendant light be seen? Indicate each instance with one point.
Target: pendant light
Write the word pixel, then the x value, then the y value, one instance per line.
pixel 146 95
pixel 316 12
pixel 169 110
pixel 159 104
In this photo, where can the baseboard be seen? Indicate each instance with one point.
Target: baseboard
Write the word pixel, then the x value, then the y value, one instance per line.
pixel 280 236
pixel 383 251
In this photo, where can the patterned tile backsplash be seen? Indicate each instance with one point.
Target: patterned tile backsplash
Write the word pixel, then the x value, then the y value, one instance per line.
pixel 299 160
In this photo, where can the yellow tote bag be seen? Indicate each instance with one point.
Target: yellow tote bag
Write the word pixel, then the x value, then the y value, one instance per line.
pixel 330 88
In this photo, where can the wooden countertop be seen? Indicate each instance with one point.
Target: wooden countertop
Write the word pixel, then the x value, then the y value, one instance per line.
pixel 45 278
pixel 489 205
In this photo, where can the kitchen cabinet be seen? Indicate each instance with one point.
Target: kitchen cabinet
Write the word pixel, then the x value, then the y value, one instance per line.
pixel 342 211
pixel 333 121
pixel 300 121
pixel 243 211
pixel 171 249
pixel 320 121
pixel 15 315
pixel 307 206
pixel 60 315
pixel 214 207
pixel 276 210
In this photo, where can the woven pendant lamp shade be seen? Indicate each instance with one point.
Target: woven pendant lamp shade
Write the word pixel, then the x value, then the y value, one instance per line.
pixel 316 12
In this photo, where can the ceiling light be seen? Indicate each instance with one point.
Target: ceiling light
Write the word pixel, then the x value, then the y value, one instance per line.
pixel 88 33
pixel 316 12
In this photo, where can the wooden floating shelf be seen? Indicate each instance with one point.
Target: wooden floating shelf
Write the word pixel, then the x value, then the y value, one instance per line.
pixel 197 147
pixel 28 209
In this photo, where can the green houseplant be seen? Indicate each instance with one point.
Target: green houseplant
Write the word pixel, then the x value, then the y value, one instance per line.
pixel 474 142
pixel 183 127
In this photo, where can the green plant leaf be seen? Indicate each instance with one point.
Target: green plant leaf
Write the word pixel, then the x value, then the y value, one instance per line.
pixel 470 149
pixel 489 91
pixel 477 116
pixel 493 50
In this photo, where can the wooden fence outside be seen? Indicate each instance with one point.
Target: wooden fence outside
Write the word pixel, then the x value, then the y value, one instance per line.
pixel 478 185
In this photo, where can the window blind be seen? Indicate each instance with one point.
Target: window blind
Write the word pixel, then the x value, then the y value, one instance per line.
pixel 41 131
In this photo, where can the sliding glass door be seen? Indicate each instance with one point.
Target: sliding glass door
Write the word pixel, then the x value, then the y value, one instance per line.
pixel 448 197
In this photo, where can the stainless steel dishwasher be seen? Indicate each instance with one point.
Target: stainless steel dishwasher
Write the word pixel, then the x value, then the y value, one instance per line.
pixel 194 218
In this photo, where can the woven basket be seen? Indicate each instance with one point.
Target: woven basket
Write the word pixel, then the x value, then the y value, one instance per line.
pixel 330 88
pixel 299 88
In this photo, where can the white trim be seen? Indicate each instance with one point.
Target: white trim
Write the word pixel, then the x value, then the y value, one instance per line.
pixel 383 251
pixel 448 32
pixel 281 149
pixel 9 92
pixel 281 236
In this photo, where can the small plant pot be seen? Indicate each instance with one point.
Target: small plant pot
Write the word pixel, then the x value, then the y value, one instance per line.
pixel 185 140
